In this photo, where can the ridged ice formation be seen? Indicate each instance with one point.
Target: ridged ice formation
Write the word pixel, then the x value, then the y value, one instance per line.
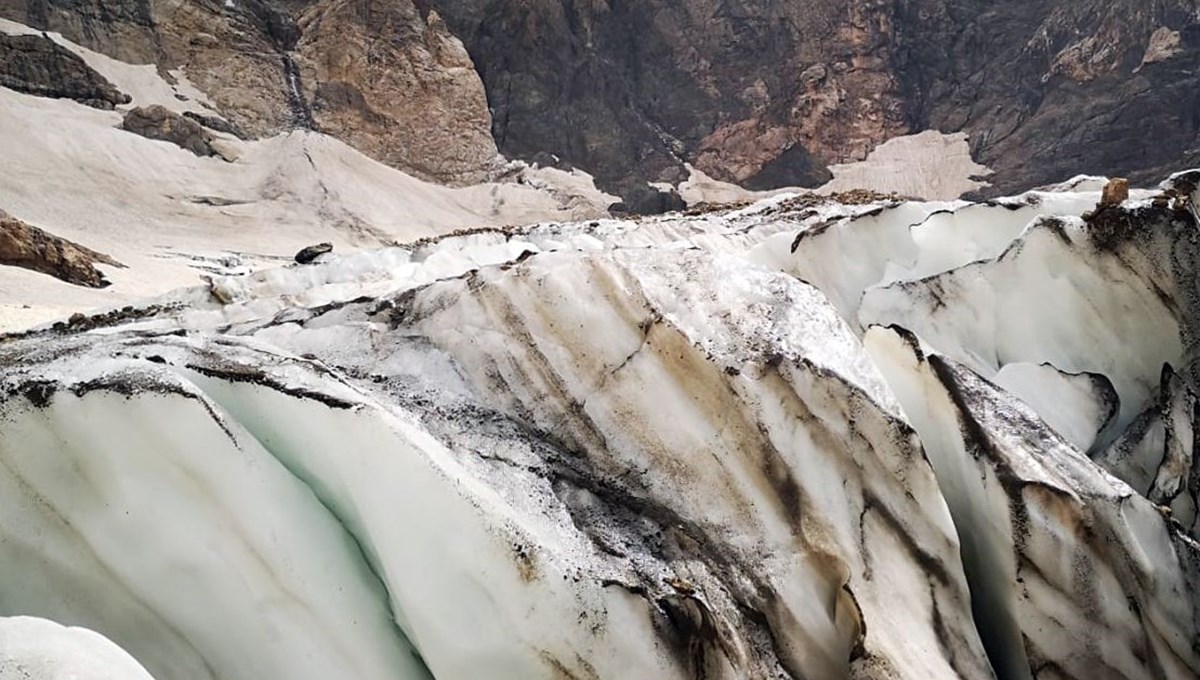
pixel 798 440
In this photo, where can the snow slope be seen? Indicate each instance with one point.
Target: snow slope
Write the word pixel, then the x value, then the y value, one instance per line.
pixel 172 216
pixel 929 165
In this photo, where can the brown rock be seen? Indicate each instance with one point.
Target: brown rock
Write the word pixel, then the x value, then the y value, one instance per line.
pixel 215 123
pixel 22 245
pixel 385 76
pixel 397 85
pixel 1115 192
pixel 158 122
pixel 759 93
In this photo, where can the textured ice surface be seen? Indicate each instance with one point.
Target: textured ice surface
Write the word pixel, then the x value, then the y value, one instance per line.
pixel 794 440
pixel 36 649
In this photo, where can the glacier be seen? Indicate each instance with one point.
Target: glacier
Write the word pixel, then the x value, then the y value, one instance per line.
pixel 36 648
pixel 803 438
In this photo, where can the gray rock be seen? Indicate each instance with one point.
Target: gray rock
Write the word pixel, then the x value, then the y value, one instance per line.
pixel 311 253
pixel 158 122
pixel 216 123
pixel 39 66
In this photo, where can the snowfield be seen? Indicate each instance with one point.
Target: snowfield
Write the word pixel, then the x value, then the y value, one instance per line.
pixel 798 439
pixel 172 217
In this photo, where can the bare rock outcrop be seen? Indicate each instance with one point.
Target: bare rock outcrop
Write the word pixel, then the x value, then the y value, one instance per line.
pixel 767 94
pixel 215 123
pixel 22 245
pixel 392 80
pixel 760 94
pixel 387 77
pixel 158 122
pixel 39 66
pixel 764 95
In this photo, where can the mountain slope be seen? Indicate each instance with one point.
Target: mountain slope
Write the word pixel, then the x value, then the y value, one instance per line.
pixel 172 216
pixel 760 94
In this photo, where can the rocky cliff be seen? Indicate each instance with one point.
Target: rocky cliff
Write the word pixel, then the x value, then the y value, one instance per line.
pixel 752 92
pixel 1049 89
pixel 39 66
pixel 384 76
pixel 763 94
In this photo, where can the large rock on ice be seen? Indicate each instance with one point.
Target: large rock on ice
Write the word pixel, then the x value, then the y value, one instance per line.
pixel 158 122
pixel 23 245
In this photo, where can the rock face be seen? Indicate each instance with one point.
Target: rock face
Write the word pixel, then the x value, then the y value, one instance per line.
pixel 158 122
pixel 687 447
pixel 1051 89
pixel 40 66
pixel 392 80
pixel 1044 89
pixel 352 69
pixel 22 245
pixel 763 94
pixel 767 94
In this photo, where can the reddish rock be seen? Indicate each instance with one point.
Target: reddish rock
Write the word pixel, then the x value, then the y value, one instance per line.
pixel 22 245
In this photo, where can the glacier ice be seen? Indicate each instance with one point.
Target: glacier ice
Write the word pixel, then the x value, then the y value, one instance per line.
pixel 41 649
pixel 1070 569
pixel 1082 407
pixel 797 439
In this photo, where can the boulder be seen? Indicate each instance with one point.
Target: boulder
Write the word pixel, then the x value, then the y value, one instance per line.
pixel 215 123
pixel 22 245
pixel 1115 192
pixel 311 253
pixel 158 122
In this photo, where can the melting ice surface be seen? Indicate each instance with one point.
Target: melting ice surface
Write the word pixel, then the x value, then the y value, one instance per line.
pixel 796 440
